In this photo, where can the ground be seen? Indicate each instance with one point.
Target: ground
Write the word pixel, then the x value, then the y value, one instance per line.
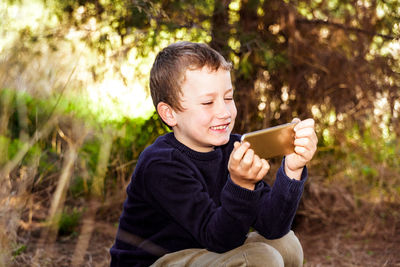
pixel 334 229
pixel 323 246
pixel 337 246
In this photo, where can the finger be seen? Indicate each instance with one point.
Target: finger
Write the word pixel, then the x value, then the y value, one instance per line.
pixel 257 164
pixel 305 154
pixel 300 150
pixel 305 132
pixel 305 142
pixel 236 145
pixel 265 164
pixel 309 143
pixel 247 160
pixel 264 170
pixel 239 151
pixel 308 123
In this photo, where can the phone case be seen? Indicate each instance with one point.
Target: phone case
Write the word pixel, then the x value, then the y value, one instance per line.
pixel 273 141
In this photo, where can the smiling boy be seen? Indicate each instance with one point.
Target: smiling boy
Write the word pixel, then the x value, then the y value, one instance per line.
pixel 196 192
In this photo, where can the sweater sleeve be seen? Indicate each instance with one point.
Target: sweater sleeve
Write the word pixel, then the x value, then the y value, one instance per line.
pixel 277 208
pixel 174 189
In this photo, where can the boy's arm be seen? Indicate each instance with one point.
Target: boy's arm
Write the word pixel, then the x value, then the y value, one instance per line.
pixel 176 192
pixel 278 208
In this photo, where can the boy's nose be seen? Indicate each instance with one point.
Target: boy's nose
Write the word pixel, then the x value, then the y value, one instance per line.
pixel 223 111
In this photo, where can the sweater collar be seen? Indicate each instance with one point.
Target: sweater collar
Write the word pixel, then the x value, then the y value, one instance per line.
pixel 170 137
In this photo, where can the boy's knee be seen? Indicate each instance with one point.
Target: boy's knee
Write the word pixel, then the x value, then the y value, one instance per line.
pixel 288 246
pixel 294 251
pixel 259 254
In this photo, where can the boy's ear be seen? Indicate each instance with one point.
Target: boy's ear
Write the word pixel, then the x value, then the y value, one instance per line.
pixel 166 113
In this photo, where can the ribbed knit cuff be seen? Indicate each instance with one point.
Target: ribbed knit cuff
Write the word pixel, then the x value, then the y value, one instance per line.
pixel 292 185
pixel 241 192
pixel 239 202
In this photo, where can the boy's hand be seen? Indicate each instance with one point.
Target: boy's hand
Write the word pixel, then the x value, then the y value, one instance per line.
pixel 246 168
pixel 305 146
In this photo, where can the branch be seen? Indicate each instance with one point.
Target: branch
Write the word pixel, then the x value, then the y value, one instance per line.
pixel 347 28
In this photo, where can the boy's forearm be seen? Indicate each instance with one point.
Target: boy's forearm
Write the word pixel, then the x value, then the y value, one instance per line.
pixel 281 204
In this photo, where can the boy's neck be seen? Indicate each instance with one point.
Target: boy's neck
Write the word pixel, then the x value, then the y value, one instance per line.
pixel 201 149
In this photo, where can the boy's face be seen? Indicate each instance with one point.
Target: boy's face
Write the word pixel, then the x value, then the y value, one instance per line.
pixel 209 110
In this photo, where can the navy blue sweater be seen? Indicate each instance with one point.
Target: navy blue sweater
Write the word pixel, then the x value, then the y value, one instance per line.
pixel 179 199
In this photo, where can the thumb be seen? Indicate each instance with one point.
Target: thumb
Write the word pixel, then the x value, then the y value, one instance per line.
pixel 296 120
pixel 236 145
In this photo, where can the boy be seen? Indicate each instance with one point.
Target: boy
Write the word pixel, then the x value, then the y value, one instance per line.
pixel 197 191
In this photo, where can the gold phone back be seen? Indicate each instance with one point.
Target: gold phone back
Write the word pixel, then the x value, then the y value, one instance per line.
pixel 273 141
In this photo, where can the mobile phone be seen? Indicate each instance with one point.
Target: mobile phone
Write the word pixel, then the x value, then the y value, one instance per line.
pixel 272 142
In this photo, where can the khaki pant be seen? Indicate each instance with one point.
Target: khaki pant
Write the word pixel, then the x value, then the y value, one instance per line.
pixel 256 251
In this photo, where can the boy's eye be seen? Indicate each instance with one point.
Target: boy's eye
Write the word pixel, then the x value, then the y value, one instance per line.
pixel 228 98
pixel 207 103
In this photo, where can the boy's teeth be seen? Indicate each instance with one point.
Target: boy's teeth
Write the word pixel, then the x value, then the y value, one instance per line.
pixel 218 127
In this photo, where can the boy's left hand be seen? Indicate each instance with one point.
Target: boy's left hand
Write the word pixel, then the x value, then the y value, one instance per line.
pixel 305 146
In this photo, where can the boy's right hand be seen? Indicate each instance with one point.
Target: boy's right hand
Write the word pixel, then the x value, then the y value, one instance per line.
pixel 246 168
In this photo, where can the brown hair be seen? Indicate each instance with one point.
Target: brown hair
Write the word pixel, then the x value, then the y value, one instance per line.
pixel 170 65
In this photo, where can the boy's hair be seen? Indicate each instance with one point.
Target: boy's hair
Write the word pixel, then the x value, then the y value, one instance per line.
pixel 170 65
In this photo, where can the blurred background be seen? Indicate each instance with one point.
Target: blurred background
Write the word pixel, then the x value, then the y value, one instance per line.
pixel 75 113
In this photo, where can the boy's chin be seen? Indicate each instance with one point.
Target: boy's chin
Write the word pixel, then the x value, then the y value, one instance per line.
pixel 221 142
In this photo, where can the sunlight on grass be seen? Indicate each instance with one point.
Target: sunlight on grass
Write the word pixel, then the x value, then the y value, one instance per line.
pixel 114 100
pixel 111 97
pixel 113 82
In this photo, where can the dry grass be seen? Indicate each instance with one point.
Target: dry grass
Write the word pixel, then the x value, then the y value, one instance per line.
pixel 366 237
pixel 36 179
pixel 334 228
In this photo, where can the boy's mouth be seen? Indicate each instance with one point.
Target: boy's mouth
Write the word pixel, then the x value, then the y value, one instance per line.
pixel 219 127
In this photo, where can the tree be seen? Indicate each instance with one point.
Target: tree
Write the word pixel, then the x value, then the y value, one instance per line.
pixel 292 58
pixel 296 55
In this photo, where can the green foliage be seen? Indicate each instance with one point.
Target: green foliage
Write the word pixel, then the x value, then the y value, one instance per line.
pixel 129 137
pixel 366 163
pixel 79 187
pixel 69 222
pixel 4 144
pixel 20 248
pixel 245 67
pixel 274 61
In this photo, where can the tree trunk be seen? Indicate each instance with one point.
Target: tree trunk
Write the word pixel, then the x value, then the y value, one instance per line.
pixel 246 100
pixel 220 28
